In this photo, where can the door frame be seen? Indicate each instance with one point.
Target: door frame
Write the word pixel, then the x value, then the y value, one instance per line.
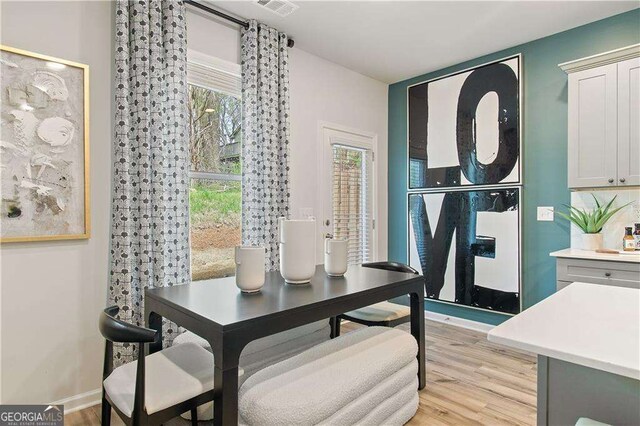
pixel 324 178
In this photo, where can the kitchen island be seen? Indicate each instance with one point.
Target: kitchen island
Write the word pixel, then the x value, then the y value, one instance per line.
pixel 587 337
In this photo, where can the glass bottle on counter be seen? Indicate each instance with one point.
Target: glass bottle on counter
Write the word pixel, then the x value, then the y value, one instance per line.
pixel 628 242
pixel 636 236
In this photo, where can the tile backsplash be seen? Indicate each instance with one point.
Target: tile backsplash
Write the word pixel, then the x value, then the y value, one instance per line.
pixel 613 231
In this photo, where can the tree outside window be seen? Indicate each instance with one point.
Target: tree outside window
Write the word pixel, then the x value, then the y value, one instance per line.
pixel 215 121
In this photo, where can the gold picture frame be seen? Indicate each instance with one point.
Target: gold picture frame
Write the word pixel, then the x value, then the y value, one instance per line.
pixel 44 145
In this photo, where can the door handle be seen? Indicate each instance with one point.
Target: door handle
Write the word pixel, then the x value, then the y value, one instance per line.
pixel 610 180
pixel 607 274
pixel 623 180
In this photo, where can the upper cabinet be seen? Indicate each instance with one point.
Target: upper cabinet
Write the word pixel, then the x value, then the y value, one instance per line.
pixel 629 121
pixel 604 119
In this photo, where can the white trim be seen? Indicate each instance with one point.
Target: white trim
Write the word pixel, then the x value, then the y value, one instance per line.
pixel 605 58
pixel 459 322
pixel 81 401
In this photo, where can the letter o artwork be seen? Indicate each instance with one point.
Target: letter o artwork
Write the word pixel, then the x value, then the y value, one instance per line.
pixel 501 79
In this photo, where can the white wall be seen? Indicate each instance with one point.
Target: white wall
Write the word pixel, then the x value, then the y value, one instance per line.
pixel 52 292
pixel 213 36
pixel 324 91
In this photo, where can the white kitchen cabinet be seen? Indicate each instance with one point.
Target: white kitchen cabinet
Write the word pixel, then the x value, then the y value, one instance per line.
pixel 604 123
pixel 629 122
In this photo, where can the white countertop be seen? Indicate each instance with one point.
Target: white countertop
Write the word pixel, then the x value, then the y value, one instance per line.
pixel 592 255
pixel 592 325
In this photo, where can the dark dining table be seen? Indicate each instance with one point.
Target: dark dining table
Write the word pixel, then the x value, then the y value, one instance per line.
pixel 217 311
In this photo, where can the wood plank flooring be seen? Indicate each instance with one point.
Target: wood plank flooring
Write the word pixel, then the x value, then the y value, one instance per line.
pixel 470 381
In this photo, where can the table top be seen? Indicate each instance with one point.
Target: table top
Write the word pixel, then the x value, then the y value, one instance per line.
pixel 593 325
pixel 571 253
pixel 221 302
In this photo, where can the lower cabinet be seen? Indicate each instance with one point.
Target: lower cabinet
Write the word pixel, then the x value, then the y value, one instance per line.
pixel 622 274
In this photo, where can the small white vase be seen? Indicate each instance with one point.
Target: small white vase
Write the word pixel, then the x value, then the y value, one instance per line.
pixel 249 268
pixel 591 242
pixel 335 257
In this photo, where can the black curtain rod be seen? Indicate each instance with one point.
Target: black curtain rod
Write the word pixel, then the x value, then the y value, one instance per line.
pixel 223 15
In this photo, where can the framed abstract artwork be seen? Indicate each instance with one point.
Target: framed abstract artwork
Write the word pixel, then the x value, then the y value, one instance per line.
pixel 464 128
pixel 466 243
pixel 44 163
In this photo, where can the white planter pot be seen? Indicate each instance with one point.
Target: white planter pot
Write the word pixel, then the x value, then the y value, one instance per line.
pixel 591 242
pixel 297 250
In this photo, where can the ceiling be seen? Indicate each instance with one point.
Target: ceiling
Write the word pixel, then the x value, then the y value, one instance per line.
pixel 395 40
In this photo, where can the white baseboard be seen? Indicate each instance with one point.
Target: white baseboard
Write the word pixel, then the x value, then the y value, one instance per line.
pixel 80 401
pixel 459 322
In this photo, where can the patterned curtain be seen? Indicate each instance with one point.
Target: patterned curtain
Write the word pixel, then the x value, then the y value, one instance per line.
pixel 150 208
pixel 265 156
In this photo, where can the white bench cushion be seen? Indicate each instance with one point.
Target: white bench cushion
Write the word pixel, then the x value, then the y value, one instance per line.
pixel 378 404
pixel 317 384
pixel 383 311
pixel 172 375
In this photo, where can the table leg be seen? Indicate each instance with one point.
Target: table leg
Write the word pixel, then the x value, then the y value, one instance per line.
pixel 154 321
pixel 417 331
pixel 225 401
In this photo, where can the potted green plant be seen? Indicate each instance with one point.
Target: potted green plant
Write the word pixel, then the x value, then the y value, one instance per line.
pixel 591 221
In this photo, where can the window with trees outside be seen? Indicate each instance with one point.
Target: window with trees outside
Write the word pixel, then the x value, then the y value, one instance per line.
pixel 215 119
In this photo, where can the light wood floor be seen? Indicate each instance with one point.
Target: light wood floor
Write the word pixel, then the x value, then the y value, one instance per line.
pixel 469 381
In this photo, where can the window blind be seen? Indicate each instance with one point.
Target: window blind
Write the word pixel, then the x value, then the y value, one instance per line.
pixel 352 201
pixel 214 78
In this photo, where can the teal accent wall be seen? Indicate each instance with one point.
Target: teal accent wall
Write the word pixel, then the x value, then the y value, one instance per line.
pixel 545 150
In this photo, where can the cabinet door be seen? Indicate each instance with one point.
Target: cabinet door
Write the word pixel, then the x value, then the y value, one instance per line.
pixel 629 122
pixel 593 127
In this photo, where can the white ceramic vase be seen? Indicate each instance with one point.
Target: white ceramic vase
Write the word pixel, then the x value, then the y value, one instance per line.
pixel 297 250
pixel 249 268
pixel 335 257
pixel 591 242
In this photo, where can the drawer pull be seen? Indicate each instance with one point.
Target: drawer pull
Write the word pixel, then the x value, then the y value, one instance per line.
pixel 607 274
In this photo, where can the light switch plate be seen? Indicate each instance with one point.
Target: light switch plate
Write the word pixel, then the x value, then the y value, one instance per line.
pixel 545 214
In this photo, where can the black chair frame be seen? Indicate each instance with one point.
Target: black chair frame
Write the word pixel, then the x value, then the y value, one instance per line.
pixel 117 331
pixel 387 266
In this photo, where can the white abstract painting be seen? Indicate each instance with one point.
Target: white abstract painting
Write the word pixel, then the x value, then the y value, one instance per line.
pixel 43 147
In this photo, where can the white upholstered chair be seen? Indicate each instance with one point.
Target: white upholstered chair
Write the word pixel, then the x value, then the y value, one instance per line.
pixel 385 314
pixel 157 387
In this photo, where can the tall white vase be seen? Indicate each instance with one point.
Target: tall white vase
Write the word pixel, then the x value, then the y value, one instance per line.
pixel 297 250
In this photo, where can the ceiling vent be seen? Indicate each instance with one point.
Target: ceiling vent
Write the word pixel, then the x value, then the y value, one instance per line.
pixel 279 7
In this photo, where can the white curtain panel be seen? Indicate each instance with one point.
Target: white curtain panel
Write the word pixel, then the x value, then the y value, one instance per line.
pixel 150 208
pixel 265 154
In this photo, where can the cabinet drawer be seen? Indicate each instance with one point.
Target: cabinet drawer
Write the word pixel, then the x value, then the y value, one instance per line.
pixel 599 272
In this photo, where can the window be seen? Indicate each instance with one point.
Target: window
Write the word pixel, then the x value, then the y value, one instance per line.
pixel 352 200
pixel 215 118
